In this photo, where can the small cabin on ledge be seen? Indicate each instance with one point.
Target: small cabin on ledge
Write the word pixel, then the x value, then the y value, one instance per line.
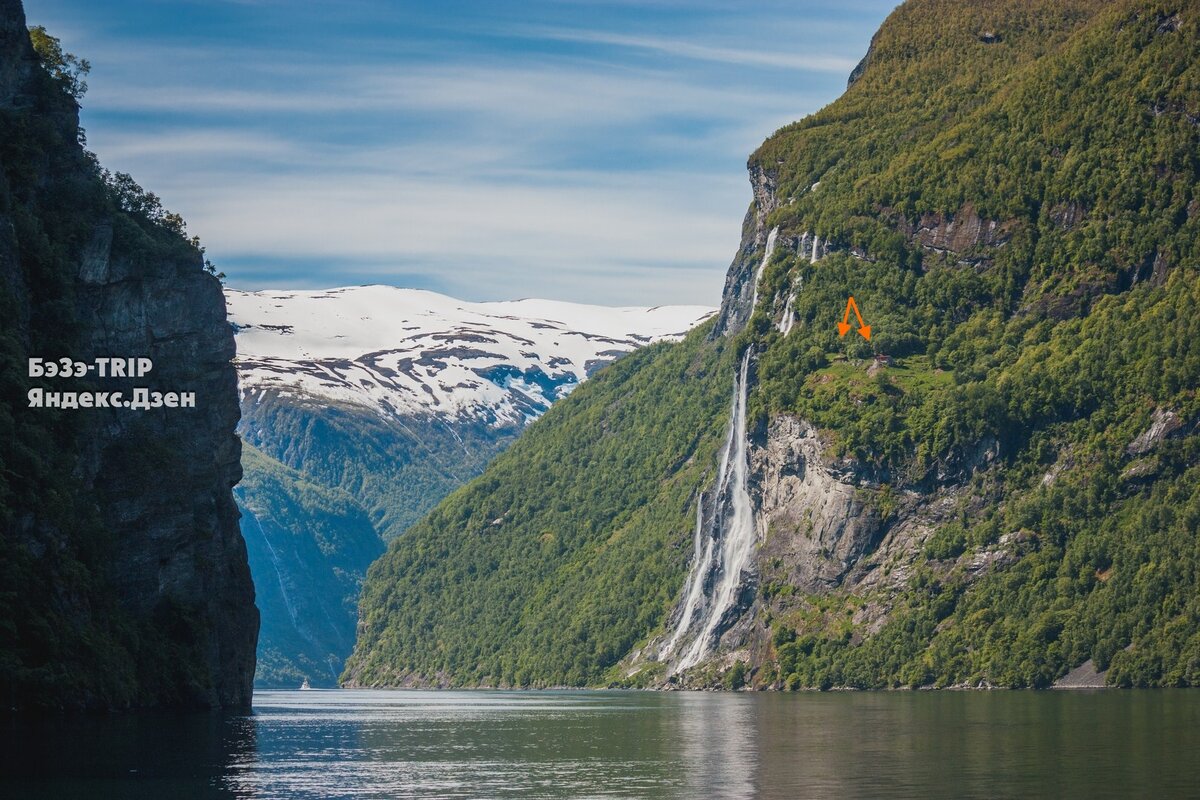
pixel 881 360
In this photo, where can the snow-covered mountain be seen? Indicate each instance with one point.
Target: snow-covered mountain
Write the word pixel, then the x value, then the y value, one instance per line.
pixel 362 408
pixel 416 353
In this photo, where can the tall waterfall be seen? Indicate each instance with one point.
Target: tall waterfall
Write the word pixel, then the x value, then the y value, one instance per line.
pixel 724 539
pixel 723 544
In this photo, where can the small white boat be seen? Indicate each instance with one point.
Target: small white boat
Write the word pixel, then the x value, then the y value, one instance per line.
pixel 305 685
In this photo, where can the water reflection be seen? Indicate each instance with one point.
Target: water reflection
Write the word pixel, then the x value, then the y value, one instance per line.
pixel 123 755
pixel 718 740
pixel 623 744
pixel 460 744
pixel 986 745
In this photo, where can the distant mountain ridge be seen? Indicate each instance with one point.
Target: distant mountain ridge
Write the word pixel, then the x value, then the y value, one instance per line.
pixel 411 352
pixel 364 406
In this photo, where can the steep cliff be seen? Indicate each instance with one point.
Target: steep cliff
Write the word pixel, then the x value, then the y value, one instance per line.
pixel 124 572
pixel 994 484
pixel 964 498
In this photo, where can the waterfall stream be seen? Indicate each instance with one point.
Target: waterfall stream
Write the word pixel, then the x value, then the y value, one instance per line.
pixel 768 250
pixel 724 539
pixel 789 316
pixel 723 542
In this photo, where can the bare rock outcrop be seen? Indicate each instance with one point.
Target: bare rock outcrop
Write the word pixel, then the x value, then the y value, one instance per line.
pixel 737 297
pixel 1164 423
pixel 956 234
pixel 813 509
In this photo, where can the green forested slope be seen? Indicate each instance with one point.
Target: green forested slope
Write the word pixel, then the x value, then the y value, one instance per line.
pixel 309 547
pixel 1109 546
pixel 1009 192
pixel 1058 341
pixel 398 469
pixel 569 549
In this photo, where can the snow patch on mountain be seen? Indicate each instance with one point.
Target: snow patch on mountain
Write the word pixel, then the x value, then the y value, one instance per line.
pixel 414 352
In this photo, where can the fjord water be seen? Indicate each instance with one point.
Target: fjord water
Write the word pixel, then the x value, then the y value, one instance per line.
pixel 625 744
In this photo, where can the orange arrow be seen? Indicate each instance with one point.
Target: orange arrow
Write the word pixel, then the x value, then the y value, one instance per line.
pixel 864 329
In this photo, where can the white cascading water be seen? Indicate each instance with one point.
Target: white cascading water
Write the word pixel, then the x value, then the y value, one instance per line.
pixel 724 548
pixel 789 307
pixel 732 526
pixel 695 584
pixel 766 259
pixel 785 322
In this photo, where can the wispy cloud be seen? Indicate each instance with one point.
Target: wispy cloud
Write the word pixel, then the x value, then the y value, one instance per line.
pixel 589 150
pixel 477 233
pixel 682 48
pixel 550 91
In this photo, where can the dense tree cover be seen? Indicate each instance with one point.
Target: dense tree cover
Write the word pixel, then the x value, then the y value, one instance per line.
pixel 1085 155
pixel 570 548
pixel 397 469
pixel 1109 551
pixel 309 547
pixel 1052 343
pixel 1009 192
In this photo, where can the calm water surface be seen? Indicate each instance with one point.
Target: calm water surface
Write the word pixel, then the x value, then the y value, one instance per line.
pixel 368 744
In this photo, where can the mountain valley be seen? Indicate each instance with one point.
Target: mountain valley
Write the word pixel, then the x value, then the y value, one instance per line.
pixel 362 407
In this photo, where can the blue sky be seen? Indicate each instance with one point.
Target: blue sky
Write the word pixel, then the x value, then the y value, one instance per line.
pixel 579 150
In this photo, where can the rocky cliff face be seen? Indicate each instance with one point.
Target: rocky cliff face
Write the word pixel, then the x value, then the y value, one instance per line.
pixel 178 542
pixel 125 570
pixel 737 299
pixel 811 506
pixel 758 245
pixel 829 525
pixel 826 524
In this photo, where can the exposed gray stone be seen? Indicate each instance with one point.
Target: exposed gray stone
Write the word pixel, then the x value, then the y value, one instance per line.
pixel 738 295
pixel 1163 424
pixel 1085 676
